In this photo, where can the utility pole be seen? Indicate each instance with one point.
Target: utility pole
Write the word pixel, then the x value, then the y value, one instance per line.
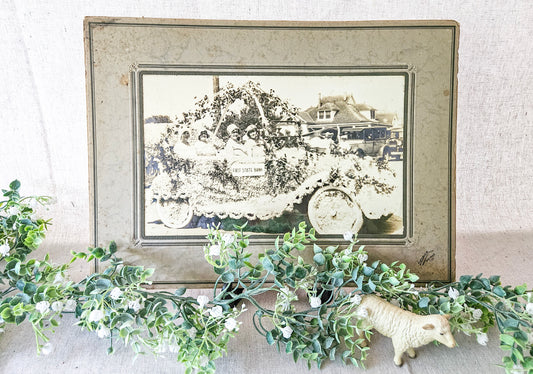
pixel 216 84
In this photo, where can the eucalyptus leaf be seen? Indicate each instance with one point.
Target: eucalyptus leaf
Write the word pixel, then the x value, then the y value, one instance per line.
pixel 15 185
pixel 319 259
pixel 288 347
pixel 103 283
pixel 394 281
pixel 228 277
pixel 269 338
pixel 498 290
pixel 300 272
pixel 267 264
pixel 423 302
pixel 368 271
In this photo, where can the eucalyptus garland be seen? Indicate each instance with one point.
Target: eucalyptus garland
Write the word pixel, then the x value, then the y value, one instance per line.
pixel 112 303
pixel 332 280
pixel 329 328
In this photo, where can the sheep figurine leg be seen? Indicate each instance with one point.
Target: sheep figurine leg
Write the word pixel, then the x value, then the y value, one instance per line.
pixel 399 349
pixel 407 330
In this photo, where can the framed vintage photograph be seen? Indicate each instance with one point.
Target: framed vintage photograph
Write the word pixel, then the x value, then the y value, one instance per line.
pixel 346 126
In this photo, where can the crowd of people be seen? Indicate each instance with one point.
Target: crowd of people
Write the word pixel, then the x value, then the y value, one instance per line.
pixel 237 146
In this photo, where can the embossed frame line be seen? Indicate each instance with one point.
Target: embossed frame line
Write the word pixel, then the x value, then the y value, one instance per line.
pixel 110 104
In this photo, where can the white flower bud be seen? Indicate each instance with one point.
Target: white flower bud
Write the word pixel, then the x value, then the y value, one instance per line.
pixel 529 308
pixel 228 238
pixel 47 349
pixel 348 236
pixel 214 250
pixel 216 311
pixel 362 257
pixel 477 314
pixel 4 249
pixel 482 338
pixel 115 293
pixel 286 332
pixel 315 301
pixel 356 299
pixel 135 305
pixel 230 324
pixel 42 306
pixel 57 306
pixel 202 300
pixel 453 293
pixel 103 332
pixel 96 315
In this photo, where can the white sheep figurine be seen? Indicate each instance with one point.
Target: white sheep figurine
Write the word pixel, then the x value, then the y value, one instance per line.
pixel 407 330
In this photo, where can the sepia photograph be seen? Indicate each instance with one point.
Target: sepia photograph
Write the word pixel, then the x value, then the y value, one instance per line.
pixel 273 151
pixel 294 128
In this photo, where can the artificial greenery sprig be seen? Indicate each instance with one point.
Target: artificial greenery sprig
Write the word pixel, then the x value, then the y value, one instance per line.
pixel 478 303
pixel 332 281
pixel 21 231
pixel 113 303
pixel 330 326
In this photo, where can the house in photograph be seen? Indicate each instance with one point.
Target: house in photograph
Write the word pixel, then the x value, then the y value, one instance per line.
pixel 366 110
pixel 354 127
pixel 388 118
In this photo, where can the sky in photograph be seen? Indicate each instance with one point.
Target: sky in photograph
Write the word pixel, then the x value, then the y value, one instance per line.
pixel 174 94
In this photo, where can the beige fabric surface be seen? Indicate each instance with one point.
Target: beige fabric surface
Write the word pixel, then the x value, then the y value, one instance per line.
pixel 43 143
pixel 78 351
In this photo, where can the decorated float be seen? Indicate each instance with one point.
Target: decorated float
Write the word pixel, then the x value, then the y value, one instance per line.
pixel 246 153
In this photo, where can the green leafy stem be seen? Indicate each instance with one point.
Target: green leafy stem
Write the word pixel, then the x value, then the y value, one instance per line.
pixel 316 315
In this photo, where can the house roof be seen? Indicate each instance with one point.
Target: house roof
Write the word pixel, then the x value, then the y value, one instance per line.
pixel 387 118
pixel 329 106
pixel 347 111
pixel 334 98
pixel 364 106
pixel 305 116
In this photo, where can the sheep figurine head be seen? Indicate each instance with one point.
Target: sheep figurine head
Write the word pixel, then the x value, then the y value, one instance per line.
pixel 407 330
pixel 437 328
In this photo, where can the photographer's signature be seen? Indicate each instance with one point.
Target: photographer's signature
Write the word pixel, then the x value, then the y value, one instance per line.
pixel 426 257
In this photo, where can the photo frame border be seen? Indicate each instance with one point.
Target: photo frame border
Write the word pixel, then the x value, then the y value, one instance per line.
pixel 128 236
pixel 266 239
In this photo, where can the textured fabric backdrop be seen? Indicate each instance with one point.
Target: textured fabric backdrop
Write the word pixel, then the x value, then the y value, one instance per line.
pixel 42 98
